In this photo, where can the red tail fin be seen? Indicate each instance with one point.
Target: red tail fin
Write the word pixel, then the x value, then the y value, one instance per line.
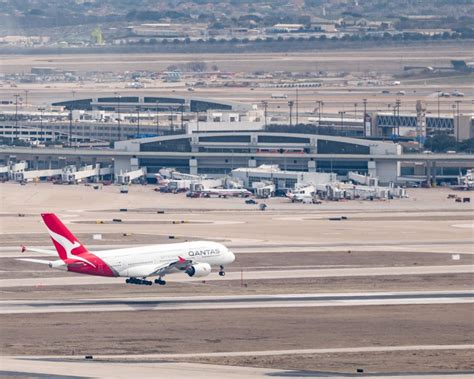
pixel 64 241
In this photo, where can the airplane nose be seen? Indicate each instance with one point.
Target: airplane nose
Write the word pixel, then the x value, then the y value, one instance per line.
pixel 231 256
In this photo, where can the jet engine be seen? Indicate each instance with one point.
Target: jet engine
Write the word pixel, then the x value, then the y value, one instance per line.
pixel 199 270
pixel 58 265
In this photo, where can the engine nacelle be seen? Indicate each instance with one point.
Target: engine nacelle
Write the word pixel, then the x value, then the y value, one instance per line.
pixel 199 270
pixel 58 265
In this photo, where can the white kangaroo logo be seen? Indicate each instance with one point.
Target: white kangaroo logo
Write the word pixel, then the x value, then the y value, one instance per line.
pixel 68 247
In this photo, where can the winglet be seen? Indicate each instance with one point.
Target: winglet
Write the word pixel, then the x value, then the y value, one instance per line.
pixel 181 259
pixel 23 248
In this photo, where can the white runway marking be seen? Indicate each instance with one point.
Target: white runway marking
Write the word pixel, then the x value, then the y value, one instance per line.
pixel 464 226
pixel 235 302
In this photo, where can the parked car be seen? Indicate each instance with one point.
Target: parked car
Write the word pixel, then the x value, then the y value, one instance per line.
pixel 250 201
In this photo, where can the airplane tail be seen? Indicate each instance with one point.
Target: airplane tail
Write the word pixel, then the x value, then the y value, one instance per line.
pixel 64 241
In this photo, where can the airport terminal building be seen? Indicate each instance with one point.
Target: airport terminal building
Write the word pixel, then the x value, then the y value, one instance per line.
pixel 218 153
pixel 151 103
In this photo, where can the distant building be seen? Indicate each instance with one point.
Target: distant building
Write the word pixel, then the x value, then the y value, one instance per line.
pixel 387 124
pixel 152 103
pixel 285 28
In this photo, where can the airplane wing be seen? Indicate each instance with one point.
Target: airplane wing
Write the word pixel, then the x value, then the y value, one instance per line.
pixel 42 251
pixel 180 264
pixel 42 261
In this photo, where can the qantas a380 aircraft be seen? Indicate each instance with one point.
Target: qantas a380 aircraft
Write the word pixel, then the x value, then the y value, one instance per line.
pixel 136 263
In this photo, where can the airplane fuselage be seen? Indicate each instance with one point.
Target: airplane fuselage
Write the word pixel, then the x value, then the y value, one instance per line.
pixel 138 261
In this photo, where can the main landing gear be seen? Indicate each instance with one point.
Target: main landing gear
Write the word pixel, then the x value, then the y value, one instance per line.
pixel 221 271
pixel 160 281
pixel 138 281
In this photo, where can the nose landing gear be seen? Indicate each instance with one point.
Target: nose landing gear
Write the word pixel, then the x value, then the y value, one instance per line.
pixel 221 271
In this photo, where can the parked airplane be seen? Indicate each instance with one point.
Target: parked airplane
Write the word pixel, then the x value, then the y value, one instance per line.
pixel 137 263
pixel 224 192
pixel 302 194
pixel 466 182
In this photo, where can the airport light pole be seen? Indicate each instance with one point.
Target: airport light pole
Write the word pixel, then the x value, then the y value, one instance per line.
pixel 319 112
pixel 265 106
pixel 119 130
pixel 70 126
pixel 454 118
pixel 171 119
pixel 41 109
pixel 439 95
pixel 290 105
pixel 26 97
pixel 16 116
pixel 365 116
pixel 342 119
pixel 297 106
pixel 457 119
pixel 157 120
pixel 138 121
pixel 397 104
pixel 197 121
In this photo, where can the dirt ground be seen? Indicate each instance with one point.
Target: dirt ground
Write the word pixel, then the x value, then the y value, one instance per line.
pixel 151 332
pixel 440 361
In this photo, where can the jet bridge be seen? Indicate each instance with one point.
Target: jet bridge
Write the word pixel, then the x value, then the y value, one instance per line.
pixel 130 176
pixel 71 174
pixel 27 176
pixel 363 179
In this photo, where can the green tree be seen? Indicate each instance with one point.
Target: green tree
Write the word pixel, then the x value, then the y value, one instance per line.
pixel 441 142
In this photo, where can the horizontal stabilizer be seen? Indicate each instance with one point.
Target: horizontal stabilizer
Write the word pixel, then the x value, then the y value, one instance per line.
pixel 41 251
pixel 42 261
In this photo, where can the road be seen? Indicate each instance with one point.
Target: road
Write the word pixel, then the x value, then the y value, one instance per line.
pixel 234 302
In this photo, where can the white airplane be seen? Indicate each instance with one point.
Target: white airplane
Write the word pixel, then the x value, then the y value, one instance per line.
pixel 137 263
pixel 466 182
pixel 223 192
pixel 303 194
pixel 161 181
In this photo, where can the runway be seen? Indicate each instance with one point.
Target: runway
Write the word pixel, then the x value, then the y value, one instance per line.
pixel 235 302
pixel 74 280
pixel 21 367
pixel 62 368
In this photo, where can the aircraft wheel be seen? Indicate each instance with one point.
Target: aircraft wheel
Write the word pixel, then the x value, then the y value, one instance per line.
pixel 221 273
